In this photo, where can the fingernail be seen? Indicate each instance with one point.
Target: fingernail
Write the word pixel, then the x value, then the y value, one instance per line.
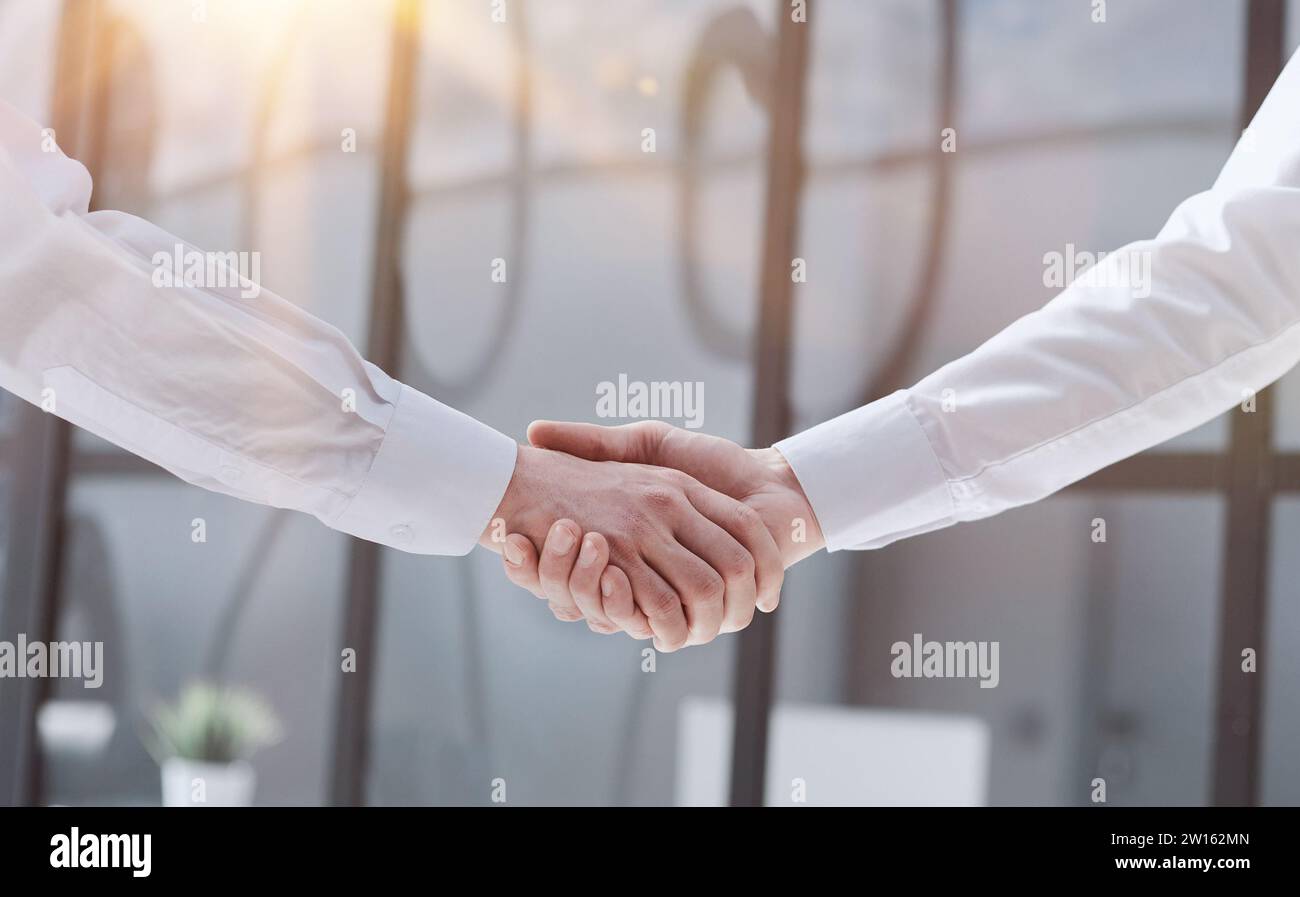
pixel 588 556
pixel 561 539
pixel 514 557
pixel 606 585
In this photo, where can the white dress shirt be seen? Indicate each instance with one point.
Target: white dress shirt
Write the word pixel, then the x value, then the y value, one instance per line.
pixel 252 397
pixel 1101 372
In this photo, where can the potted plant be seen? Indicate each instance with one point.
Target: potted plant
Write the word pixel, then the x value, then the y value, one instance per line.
pixel 203 741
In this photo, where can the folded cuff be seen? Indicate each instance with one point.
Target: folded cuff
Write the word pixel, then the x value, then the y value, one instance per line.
pixel 870 475
pixel 435 482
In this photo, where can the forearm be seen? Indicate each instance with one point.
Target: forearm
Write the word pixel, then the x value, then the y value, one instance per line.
pixel 1096 376
pixel 233 389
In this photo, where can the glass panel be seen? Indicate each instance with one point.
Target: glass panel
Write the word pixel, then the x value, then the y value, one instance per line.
pixel 4 530
pixel 1105 658
pixel 259 112
pixel 1068 134
pixel 623 261
pixel 1054 150
pixel 1286 421
pixel 1286 393
pixel 1279 662
pixel 592 259
pixel 255 605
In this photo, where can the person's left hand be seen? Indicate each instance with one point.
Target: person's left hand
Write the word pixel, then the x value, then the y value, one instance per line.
pixel 578 569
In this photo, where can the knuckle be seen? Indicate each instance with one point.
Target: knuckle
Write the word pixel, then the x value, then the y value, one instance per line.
pixel 548 566
pixel 650 432
pixel 565 614
pixel 739 565
pixel 747 518
pixel 622 557
pixel 637 630
pixel 672 643
pixel 660 603
pixel 740 620
pixel 660 497
pixel 618 607
pixel 678 479
pixel 636 523
pixel 554 570
pixel 585 581
pixel 708 588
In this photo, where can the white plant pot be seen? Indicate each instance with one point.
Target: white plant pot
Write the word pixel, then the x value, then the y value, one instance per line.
pixel 191 783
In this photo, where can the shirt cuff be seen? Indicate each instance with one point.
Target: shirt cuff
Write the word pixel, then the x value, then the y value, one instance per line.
pixel 435 482
pixel 870 475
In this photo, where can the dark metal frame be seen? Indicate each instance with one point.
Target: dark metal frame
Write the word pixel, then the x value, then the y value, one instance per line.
pixel 772 418
pixel 1250 474
pixel 1244 598
pixel 41 451
pixel 361 609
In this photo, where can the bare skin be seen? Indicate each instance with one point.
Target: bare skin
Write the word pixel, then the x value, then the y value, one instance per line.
pixel 760 479
pixel 695 561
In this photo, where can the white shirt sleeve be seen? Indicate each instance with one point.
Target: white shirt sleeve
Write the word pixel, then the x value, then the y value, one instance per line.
pixel 1106 369
pixel 238 393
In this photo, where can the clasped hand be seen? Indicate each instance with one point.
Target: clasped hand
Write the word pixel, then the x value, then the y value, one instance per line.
pixel 648 529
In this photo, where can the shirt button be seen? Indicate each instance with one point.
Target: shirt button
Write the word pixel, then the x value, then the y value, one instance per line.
pixel 230 473
pixel 401 534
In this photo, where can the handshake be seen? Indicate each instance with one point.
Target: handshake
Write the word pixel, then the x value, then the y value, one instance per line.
pixel 648 529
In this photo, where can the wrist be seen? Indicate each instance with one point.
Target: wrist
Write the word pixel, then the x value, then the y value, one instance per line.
pixel 784 479
pixel 534 498
pixel 494 534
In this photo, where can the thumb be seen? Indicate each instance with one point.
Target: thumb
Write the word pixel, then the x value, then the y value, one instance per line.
pixel 635 443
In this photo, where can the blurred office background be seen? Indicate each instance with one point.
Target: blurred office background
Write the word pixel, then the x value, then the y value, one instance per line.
pixel 526 144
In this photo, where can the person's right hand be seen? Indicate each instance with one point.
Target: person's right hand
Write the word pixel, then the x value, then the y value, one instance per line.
pixel 760 478
pixel 697 562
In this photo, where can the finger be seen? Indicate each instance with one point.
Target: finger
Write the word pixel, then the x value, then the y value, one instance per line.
pixel 658 601
pixel 729 559
pixel 519 559
pixel 747 527
pixel 699 587
pixel 584 582
pixel 636 442
pixel 616 592
pixel 555 566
